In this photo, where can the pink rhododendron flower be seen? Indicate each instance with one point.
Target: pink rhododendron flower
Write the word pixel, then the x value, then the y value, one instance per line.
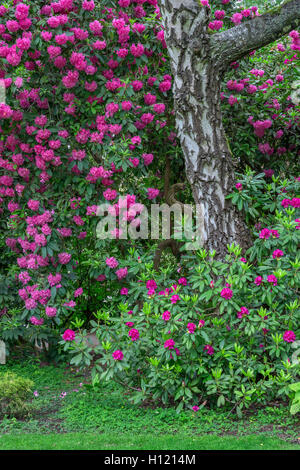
pixel 274 234
pixel 78 292
pixel 88 5
pixel 169 344
pixel 121 273
pixel 22 11
pixel 64 258
pixel 165 86
pixel 269 173
pixel 51 311
pixel 219 14
pixel 272 279
pixel 191 327
pixel 166 315
pixel 265 233
pixel 175 298
pixel 110 194
pixel 118 355
pixel 151 284
pixel 244 311
pixel 70 304
pixel 111 262
pixel 78 220
pixel 289 336
pixel 36 321
pixel 209 349
pixel 237 18
pixel 215 25
pixel 152 193
pixel 69 335
pixel 226 293
pixel 134 334
pixel 277 254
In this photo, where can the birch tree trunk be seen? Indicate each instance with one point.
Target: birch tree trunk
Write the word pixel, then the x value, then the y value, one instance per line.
pixel 198 61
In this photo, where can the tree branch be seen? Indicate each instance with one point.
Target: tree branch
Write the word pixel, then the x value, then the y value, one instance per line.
pixel 171 243
pixel 170 195
pixel 235 43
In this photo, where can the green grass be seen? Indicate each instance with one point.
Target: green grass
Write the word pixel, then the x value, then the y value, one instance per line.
pixel 107 441
pixel 104 419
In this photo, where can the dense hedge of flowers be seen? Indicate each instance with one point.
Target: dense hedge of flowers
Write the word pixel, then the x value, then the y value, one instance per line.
pixel 85 105
pixel 261 108
pixel 88 119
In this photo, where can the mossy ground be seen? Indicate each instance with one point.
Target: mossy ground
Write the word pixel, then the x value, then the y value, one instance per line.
pixel 67 405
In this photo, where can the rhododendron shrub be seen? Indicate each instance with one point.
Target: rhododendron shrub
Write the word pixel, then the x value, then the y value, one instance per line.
pixel 89 118
pixel 86 108
pixel 223 333
pixel 263 122
pixel 261 104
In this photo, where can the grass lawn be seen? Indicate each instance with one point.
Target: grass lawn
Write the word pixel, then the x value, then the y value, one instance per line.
pixel 110 441
pixel 69 415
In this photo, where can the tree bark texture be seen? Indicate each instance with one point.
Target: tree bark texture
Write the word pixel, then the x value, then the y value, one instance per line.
pixel 198 61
